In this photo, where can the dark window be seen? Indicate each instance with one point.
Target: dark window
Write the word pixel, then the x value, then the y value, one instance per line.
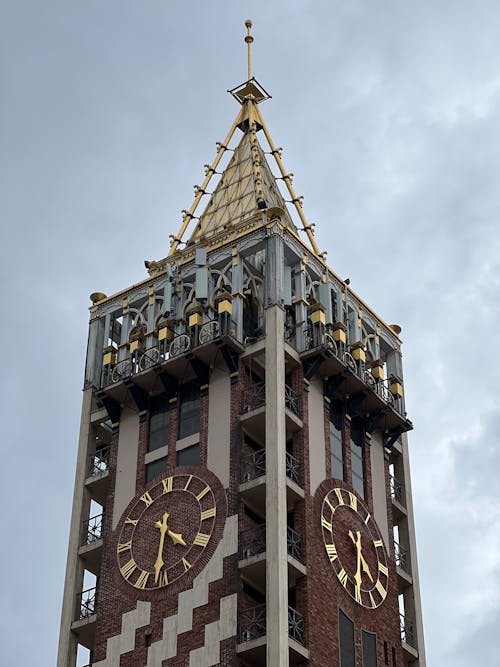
pixel 386 654
pixel 358 476
pixel 159 423
pixel 189 410
pixel 369 644
pixel 336 450
pixel 189 456
pixel 346 641
pixel 155 468
pixel 394 657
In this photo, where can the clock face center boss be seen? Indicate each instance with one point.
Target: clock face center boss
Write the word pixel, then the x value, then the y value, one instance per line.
pixel 167 530
pixel 354 547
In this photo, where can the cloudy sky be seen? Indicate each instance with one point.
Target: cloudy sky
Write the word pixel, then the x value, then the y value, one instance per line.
pixel 389 116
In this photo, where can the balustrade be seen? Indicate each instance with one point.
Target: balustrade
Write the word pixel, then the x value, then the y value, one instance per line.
pixel 294 544
pixel 401 556
pixel 99 461
pixel 408 631
pixel 86 603
pixel 253 465
pixel 292 400
pixel 252 623
pixel 92 529
pixel 296 626
pixel 252 541
pixel 293 471
pixel 397 491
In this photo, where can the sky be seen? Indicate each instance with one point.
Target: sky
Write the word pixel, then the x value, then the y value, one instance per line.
pixel 389 116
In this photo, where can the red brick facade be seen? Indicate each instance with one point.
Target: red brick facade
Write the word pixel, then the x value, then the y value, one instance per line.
pixel 318 596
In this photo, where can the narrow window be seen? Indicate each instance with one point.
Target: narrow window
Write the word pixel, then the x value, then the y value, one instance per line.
pixel 189 456
pixel 358 476
pixel 336 450
pixel 159 423
pixel 189 410
pixel 394 657
pixel 155 468
pixel 386 654
pixel 369 645
pixel 346 641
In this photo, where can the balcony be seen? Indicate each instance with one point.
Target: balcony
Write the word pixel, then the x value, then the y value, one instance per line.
pixel 253 480
pixel 252 556
pixel 172 355
pixel 398 496
pixel 332 358
pixel 85 617
pixel 253 411
pixel 408 638
pixel 252 636
pixel 91 544
pixel 97 474
pixel 294 490
pixel 403 568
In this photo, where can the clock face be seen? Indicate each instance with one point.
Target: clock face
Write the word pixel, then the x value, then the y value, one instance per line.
pixel 354 547
pixel 166 531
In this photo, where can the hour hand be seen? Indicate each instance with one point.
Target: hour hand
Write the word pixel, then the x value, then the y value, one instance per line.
pixel 176 537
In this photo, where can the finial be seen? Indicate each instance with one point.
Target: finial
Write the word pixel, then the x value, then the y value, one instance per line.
pixel 249 40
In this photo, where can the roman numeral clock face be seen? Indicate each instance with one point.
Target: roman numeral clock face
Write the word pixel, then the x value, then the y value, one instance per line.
pixel 166 531
pixel 354 547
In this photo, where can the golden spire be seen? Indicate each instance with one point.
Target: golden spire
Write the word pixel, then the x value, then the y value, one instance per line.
pixel 249 40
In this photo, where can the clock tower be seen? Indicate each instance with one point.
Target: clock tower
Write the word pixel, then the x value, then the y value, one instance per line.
pixel 242 492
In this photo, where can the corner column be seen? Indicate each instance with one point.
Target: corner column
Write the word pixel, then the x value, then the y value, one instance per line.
pixel 276 548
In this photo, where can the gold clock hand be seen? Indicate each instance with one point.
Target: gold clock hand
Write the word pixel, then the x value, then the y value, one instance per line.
pixel 176 538
pixel 366 569
pixel 163 527
pixel 357 543
pixel 361 560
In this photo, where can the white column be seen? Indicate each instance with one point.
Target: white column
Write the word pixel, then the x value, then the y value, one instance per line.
pixel 276 547
pixel 74 570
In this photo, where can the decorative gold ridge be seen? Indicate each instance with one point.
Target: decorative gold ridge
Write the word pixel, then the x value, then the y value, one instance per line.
pixel 250 94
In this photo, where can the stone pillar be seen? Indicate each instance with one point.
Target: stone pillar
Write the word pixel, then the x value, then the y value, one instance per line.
pixel 95 347
pixel 412 601
pixel 74 569
pixel 276 508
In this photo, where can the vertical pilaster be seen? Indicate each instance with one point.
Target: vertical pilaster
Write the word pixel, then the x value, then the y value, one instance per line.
pixel 74 571
pixel 95 345
pixel 237 290
pixel 276 548
pixel 300 305
pixel 413 607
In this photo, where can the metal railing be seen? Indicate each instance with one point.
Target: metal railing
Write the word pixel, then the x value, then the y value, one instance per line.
pixel 92 529
pixel 293 468
pixel 254 397
pixel 99 461
pixel 296 626
pixel 252 541
pixel 318 337
pixel 162 350
pixel 86 603
pixel 402 557
pixel 252 623
pixel 408 634
pixel 294 544
pixel 397 491
pixel 292 400
pixel 253 465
